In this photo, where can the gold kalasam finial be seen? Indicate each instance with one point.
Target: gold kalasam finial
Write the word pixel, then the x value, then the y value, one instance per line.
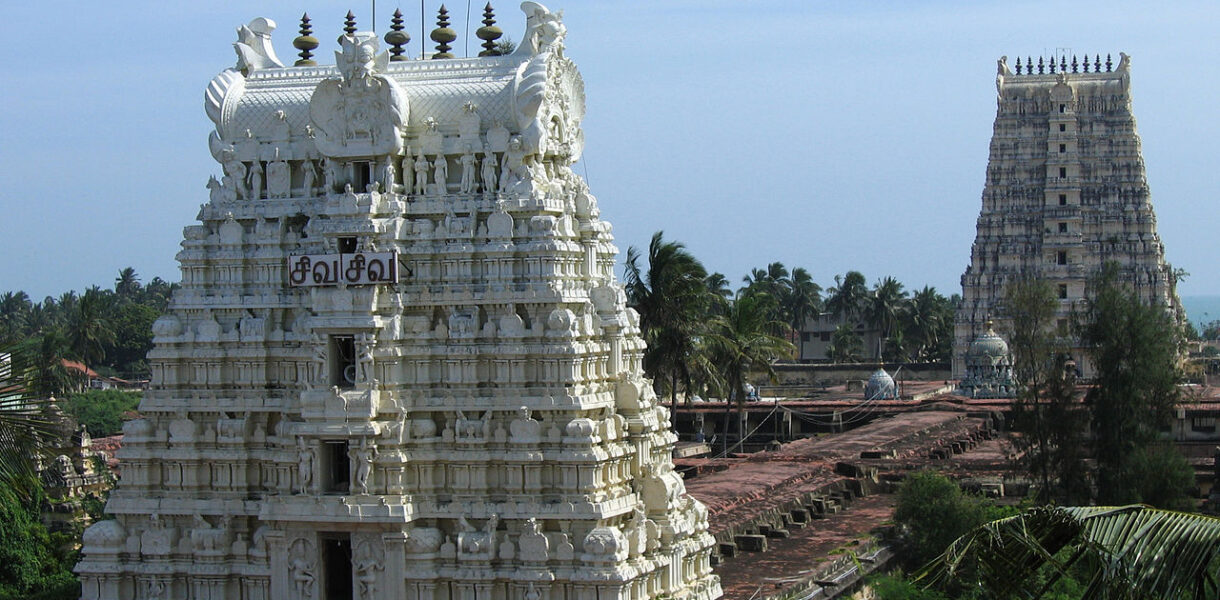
pixel 306 43
pixel 489 33
pixel 397 38
pixel 443 35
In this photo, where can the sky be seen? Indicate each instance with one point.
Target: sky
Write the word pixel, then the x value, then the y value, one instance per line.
pixel 828 135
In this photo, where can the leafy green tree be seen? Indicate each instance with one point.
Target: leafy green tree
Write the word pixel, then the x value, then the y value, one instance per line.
pixel 90 329
pixel 672 297
pixel 102 412
pixel 932 512
pixel 1134 350
pixel 926 320
pixel 845 344
pixel 31 562
pixel 1051 422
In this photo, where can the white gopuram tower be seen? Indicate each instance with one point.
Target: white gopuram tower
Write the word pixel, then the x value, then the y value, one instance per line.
pixel 1066 193
pixel 399 365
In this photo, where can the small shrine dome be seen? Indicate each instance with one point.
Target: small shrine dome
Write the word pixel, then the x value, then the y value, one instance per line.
pixel 989 349
pixel 880 386
pixel 988 367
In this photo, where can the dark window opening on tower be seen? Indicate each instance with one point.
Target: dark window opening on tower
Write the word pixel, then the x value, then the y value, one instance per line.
pixel 1063 127
pixel 337 567
pixel 1062 108
pixel 1063 228
pixel 1063 199
pixel 1063 148
pixel 347 245
pixel 1063 291
pixel 1062 257
pixel 342 361
pixel 337 477
pixel 1063 172
pixel 361 176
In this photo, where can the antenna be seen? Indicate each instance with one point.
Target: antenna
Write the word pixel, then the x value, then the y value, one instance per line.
pixel 374 16
pixel 422 48
pixel 467 32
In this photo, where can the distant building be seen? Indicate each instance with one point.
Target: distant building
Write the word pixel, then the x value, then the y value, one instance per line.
pixel 818 332
pixel 988 368
pixel 1065 193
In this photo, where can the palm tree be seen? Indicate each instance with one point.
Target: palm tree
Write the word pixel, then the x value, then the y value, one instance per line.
pixel 672 298
pixel 90 328
pixel 1128 551
pixel 845 344
pixel 803 299
pixel 923 320
pixel 24 430
pixel 127 284
pixel 14 310
pixel 741 341
pixel 720 292
pixel 847 298
pixel 883 308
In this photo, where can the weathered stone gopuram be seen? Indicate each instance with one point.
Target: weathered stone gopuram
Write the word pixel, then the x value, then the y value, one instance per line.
pixel 1066 192
pixel 399 365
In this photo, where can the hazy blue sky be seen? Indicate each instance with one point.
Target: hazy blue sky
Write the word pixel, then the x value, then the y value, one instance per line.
pixel 830 135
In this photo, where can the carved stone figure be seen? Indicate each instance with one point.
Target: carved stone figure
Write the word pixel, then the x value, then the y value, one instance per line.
pixel 256 180
pixel 525 429
pixel 279 178
pixel 309 176
pixel 330 172
pixel 365 345
pixel 468 162
pixel 301 573
pixel 363 456
pixel 304 466
pixel 253 46
pixel 489 171
pixel 361 113
pixel 366 575
pixel 422 166
pixel 440 174
pixel 408 172
pixel 215 190
pixel 387 174
pixel 236 170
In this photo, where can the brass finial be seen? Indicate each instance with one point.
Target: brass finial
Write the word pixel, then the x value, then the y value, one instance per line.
pixel 1063 64
pixel 1042 66
pixel 442 35
pixel 1097 63
pixel 1075 65
pixel 397 38
pixel 306 43
pixel 489 33
pixel 349 23
pixel 1108 63
pixel 1018 65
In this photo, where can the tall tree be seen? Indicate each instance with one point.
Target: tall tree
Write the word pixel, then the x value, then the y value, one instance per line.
pixel 90 328
pixel 923 321
pixel 741 342
pixel 670 293
pixel 802 299
pixel 1134 350
pixel 845 344
pixel 846 300
pixel 883 308
pixel 127 284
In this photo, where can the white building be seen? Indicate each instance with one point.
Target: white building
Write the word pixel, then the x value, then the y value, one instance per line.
pixel 399 365
pixel 1066 192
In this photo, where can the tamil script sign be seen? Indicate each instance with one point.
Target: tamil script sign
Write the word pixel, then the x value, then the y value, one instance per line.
pixel 359 268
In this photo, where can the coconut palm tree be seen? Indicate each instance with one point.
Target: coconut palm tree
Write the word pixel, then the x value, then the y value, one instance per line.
pixel 741 341
pixel 670 293
pixel 847 298
pixel 922 320
pixel 1128 552
pixel 802 299
pixel 24 430
pixel 90 328
pixel 127 284
pixel 883 308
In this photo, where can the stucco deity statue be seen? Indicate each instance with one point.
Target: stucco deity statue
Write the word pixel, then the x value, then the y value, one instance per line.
pixel 304 466
pixel 256 180
pixel 468 162
pixel 363 456
pixel 365 345
pixel 387 174
pixel 422 166
pixel 236 170
pixel 279 178
pixel 408 172
pixel 330 173
pixel 216 192
pixel 301 573
pixel 489 171
pixel 440 174
pixel 309 177
pixel 525 429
